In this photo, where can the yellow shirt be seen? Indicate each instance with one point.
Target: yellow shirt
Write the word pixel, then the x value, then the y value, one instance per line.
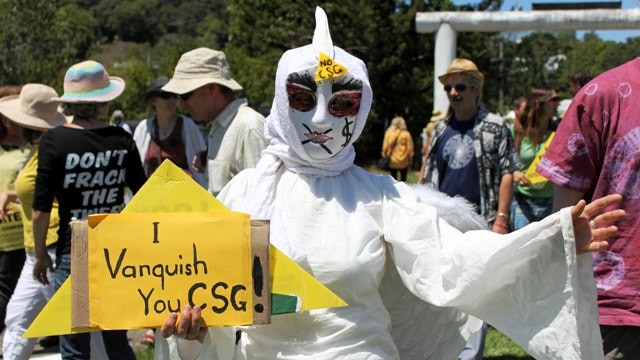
pixel 26 187
pixel 401 152
pixel 11 162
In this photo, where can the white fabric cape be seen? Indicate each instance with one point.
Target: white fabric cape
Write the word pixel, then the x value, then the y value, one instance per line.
pixel 529 284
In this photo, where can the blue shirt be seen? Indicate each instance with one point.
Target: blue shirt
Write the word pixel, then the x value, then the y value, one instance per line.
pixel 457 162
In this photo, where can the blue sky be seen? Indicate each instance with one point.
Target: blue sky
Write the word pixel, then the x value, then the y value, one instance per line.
pixel 615 35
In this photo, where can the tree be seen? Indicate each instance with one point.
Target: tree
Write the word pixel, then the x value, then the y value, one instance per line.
pixel 40 38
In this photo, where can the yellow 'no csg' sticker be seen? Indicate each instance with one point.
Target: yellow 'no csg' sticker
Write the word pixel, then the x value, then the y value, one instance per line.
pixel 328 68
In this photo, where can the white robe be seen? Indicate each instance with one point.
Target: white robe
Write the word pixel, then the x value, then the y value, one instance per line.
pixel 529 284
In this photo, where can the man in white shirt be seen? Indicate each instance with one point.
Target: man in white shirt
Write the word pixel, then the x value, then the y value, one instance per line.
pixel 202 79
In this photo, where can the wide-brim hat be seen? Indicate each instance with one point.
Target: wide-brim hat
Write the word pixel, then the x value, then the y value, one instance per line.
pixel 89 82
pixel 464 66
pixel 199 67
pixel 155 87
pixel 35 108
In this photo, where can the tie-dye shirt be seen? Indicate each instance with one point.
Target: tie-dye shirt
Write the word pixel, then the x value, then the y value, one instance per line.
pixel 597 151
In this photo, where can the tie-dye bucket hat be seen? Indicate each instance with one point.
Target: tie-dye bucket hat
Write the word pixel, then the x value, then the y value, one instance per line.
pixel 89 82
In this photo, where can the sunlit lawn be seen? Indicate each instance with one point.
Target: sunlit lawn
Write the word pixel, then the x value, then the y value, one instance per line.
pixel 500 347
pixel 497 347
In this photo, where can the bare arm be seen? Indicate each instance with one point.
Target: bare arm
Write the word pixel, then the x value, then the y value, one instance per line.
pixel 501 222
pixel 563 197
pixel 7 197
pixel 43 262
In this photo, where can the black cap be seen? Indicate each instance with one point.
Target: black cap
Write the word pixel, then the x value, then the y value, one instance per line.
pixel 155 87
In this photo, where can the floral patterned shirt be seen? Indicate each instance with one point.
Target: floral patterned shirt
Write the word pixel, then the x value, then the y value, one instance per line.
pixel 495 156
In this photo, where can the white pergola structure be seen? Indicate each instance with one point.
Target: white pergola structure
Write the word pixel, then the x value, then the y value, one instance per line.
pixel 447 24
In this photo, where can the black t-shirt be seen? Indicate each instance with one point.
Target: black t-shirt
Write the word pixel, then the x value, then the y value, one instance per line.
pixel 87 171
pixel 456 158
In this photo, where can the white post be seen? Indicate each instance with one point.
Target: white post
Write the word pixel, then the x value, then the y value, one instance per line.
pixel 447 24
pixel 444 53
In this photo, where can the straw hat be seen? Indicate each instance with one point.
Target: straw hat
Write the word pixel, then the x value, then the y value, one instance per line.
pixel 465 66
pixel 199 67
pixel 437 115
pixel 35 108
pixel 89 82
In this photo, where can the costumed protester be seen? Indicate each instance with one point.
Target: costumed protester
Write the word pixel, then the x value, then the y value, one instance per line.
pixel 343 224
pixel 167 134
pixel 85 164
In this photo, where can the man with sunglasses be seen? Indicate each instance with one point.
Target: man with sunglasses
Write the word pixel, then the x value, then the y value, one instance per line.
pixel 202 80
pixel 472 155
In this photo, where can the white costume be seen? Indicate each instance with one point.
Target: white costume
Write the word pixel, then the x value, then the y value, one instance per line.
pixel 347 226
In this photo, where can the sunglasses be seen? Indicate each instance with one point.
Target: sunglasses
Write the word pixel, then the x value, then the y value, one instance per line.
pixel 458 87
pixel 186 96
pixel 166 95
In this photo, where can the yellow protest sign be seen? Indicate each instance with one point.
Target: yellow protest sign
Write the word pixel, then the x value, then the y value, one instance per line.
pixel 170 195
pixel 531 172
pixel 328 68
pixel 55 318
pixel 170 189
pixel 156 275
pixel 11 228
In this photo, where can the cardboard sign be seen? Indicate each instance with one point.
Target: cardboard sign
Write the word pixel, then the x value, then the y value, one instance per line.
pixel 11 229
pixel 202 259
pixel 170 197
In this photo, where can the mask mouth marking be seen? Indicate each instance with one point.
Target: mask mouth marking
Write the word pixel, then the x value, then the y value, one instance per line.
pixel 316 137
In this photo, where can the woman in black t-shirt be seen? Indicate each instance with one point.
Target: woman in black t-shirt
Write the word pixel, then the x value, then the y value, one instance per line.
pixel 86 165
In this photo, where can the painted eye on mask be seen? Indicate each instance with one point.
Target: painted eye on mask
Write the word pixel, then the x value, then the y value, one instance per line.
pixel 346 103
pixel 300 98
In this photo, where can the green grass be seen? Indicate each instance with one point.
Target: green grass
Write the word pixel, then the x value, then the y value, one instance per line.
pixel 144 353
pixel 500 347
pixel 497 347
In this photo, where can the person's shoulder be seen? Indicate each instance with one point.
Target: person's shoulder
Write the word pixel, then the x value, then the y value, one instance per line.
pixel 58 131
pixel 248 112
pixel 249 117
pixel 493 118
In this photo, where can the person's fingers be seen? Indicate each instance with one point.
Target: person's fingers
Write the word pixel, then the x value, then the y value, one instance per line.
pixel 603 233
pixel 41 277
pixel 168 327
pixel 599 205
pixel 607 219
pixel 202 333
pixel 597 246
pixel 578 209
pixel 194 326
pixel 184 322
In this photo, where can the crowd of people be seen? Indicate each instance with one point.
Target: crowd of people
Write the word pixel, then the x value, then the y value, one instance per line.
pixel 66 157
pixel 500 232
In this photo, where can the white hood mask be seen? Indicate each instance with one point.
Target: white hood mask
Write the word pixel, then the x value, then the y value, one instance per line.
pixel 285 146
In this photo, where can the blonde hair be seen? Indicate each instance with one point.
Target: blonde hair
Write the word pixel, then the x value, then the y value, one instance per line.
pixel 398 123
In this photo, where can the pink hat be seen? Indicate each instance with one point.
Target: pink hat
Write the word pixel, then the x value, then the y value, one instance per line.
pixel 89 82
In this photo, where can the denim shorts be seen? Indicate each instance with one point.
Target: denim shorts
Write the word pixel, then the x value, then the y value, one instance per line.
pixel 526 209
